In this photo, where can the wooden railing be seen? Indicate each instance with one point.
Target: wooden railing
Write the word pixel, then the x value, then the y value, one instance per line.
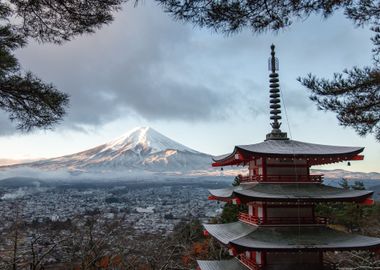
pixel 309 266
pixel 249 219
pixel 245 217
pixel 249 263
pixel 316 178
pixel 325 265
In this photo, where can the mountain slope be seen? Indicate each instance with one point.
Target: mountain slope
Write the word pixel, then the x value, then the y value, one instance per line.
pixel 140 149
pixel 339 174
pixel 144 150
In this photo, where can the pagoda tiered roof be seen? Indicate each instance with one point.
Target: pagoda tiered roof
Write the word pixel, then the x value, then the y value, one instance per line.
pixel 245 237
pixel 225 233
pixel 280 228
pixel 290 192
pixel 233 264
pixel 315 154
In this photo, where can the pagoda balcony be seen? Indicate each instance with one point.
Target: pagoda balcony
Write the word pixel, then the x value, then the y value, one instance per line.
pixel 245 217
pixel 252 265
pixel 249 263
pixel 308 266
pixel 315 178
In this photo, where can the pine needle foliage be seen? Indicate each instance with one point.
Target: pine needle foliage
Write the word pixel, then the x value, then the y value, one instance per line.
pixel 354 94
pixel 29 101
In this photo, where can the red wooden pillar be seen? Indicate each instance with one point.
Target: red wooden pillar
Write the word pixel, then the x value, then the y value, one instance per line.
pixel 264 166
pixel 264 212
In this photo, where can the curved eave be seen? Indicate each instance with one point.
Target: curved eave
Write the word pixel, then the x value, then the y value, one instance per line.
pixel 245 237
pixel 316 153
pixel 233 264
pixel 300 149
pixel 301 192
pixel 227 159
pixel 222 193
pixel 352 154
pixel 303 239
pixel 228 193
pixel 290 193
pixel 225 233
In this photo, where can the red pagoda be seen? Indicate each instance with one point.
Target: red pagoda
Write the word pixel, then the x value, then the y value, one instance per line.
pixel 280 230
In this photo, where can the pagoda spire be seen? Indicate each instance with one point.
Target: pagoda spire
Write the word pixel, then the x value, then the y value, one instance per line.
pixel 275 101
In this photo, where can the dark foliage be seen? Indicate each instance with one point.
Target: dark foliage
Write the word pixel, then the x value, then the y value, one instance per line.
pixel 352 216
pixel 230 16
pixel 344 184
pixel 57 21
pixel 29 101
pixel 237 180
pixel 231 211
pixel 188 231
pixel 353 95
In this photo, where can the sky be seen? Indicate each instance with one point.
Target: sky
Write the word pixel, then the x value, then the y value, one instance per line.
pixel 205 90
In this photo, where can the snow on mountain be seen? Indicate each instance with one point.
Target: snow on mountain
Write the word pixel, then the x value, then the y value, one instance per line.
pixel 144 151
pixel 141 149
pixel 6 161
pixel 145 138
pixel 339 174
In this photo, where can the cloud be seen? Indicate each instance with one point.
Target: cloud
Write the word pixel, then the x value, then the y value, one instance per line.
pixel 19 193
pixel 33 174
pixel 145 65
pixel 133 67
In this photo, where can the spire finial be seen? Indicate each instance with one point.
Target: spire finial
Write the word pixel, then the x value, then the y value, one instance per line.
pixel 275 113
pixel 273 61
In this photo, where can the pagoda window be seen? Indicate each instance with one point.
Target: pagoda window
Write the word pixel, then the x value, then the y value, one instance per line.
pixel 253 258
pixel 259 257
pixel 290 214
pixel 251 210
pixel 309 260
pixel 287 171
pixel 256 167
pixel 260 212
pixel 253 168
pixel 287 167
pixel 287 211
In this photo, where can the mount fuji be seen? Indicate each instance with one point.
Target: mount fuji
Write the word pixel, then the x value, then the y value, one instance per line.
pixel 142 150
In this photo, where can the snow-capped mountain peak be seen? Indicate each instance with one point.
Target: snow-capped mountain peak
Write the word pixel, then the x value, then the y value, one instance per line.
pixel 145 139
pixel 142 149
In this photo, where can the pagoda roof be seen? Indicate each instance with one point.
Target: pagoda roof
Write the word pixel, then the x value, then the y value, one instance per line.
pixel 225 233
pixel 313 192
pixel 288 149
pixel 233 264
pixel 289 238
